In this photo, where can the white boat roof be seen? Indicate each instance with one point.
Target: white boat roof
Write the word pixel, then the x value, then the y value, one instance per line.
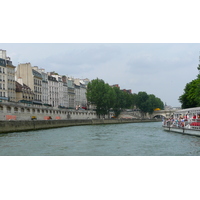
pixel 188 110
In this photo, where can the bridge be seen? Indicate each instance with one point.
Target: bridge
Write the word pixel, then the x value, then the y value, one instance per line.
pixel 158 114
pixel 163 113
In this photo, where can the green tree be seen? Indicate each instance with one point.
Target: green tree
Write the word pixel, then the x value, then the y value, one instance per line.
pixel 191 95
pixel 153 103
pixel 133 100
pixel 147 103
pixel 102 95
pixel 109 98
pixel 118 105
pixel 123 100
pixel 105 97
pixel 128 100
pixel 142 102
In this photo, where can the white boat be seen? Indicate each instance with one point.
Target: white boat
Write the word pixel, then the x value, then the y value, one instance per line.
pixel 185 121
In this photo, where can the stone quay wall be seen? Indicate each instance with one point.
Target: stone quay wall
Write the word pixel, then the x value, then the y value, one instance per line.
pixel 30 125
pixel 20 111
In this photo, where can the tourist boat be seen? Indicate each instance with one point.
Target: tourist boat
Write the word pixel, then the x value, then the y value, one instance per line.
pixel 186 121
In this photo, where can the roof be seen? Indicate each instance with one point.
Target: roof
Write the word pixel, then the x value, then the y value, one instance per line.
pixel 36 74
pixel 2 62
pixel 51 78
pixel 19 87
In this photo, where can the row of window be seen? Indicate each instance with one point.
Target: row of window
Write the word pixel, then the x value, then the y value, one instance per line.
pixel 2 70
pixel 37 89
pixel 2 85
pixel 37 82
pixel 2 94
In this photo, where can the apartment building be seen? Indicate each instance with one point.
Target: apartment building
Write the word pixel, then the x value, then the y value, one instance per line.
pixel 80 92
pixel 53 91
pixel 65 92
pixel 71 93
pixel 83 90
pixel 45 88
pixel 7 78
pixel 11 85
pixel 23 92
pixel 60 89
pixel 32 79
pixel 77 94
pixel 3 81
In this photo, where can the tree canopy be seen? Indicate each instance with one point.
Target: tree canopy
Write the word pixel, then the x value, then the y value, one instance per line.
pixel 191 95
pixel 147 103
pixel 107 98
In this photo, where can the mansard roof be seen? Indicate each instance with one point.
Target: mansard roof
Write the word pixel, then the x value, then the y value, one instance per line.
pixel 36 74
pixel 2 62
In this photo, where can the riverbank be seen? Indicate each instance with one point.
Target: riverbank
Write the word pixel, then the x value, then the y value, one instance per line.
pixel 29 125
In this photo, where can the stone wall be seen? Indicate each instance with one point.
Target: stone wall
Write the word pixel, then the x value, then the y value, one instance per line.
pixel 19 111
pixel 27 125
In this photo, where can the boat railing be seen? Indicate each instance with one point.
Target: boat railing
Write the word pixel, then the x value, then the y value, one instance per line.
pixel 189 123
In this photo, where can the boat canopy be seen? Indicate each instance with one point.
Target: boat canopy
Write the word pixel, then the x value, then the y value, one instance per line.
pixel 188 112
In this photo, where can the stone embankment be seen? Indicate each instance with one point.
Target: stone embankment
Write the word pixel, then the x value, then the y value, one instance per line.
pixel 29 125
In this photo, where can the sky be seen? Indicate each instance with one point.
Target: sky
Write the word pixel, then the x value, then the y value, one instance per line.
pixel 162 69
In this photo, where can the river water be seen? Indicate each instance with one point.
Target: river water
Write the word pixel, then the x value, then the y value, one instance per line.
pixel 132 139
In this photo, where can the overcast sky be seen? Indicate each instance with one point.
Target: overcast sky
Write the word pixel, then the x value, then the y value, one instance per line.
pixel 162 69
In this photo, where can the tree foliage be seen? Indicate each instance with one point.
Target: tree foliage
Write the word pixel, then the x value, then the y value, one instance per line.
pixel 191 95
pixel 108 98
pixel 100 94
pixel 147 103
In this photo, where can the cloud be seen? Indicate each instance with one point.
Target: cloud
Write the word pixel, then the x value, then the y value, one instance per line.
pixel 84 58
pixel 160 69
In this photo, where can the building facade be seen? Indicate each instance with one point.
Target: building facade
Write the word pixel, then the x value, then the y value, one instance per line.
pixel 23 92
pixel 65 92
pixel 45 88
pixel 53 91
pixel 11 85
pixel 71 93
pixel 3 81
pixel 32 79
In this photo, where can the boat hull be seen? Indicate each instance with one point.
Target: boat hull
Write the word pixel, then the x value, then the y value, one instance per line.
pixel 182 130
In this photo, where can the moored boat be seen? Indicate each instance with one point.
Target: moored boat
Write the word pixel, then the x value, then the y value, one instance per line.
pixel 186 121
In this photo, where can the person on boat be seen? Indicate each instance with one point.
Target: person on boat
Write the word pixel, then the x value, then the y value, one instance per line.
pixel 176 122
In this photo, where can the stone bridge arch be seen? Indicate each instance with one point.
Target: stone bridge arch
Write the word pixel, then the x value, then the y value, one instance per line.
pixel 163 113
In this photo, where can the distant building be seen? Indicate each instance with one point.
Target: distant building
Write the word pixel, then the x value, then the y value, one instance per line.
pixel 71 92
pixel 44 95
pixel 62 90
pixel 23 92
pixel 65 92
pixel 7 78
pixel 32 79
pixel 80 90
pixel 115 85
pixel 11 80
pixel 127 91
pixel 53 91
pixel 3 80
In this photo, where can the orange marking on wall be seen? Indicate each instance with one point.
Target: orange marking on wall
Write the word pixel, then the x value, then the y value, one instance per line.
pixel 47 117
pixel 11 117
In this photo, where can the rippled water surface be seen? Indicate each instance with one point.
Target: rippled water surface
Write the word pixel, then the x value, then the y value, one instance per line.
pixel 134 139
